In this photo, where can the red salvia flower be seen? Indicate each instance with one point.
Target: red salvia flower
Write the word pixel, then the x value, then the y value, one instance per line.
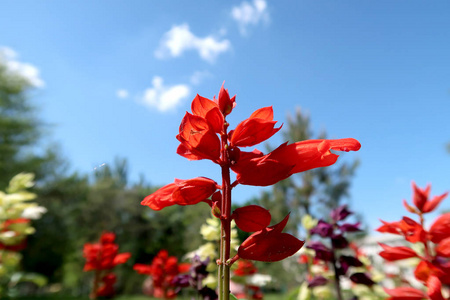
pixel 103 255
pixel 163 269
pixel 198 139
pixel 204 134
pixel 245 268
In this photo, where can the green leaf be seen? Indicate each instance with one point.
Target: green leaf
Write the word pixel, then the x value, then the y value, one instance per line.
pixel 233 297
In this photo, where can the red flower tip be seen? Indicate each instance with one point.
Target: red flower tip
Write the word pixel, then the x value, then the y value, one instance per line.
pixel 256 129
pixel 226 104
pixel 181 192
pixel 251 218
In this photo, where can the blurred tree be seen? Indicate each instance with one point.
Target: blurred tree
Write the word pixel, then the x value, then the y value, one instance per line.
pixel 20 130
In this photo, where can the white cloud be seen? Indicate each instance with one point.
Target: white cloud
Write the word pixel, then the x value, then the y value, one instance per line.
pixel 8 57
pixel 250 14
pixel 180 39
pixel 198 76
pixel 164 98
pixel 122 94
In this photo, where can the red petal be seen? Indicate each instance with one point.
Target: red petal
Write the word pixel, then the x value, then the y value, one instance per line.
pixel 193 191
pixel 405 293
pixel 426 269
pixel 253 131
pixel 420 197
pixel 440 228
pixel 443 248
pixel 434 288
pixel 251 218
pixel 121 258
pixel 273 247
pixel 197 135
pixel 396 253
pixel 161 198
pixel 265 113
pixel 433 203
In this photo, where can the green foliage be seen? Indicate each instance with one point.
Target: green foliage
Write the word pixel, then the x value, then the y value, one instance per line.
pixel 20 130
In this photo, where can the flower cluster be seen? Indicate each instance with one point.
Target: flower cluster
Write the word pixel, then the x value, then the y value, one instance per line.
pixel 336 231
pixel 433 270
pixel 198 272
pixel 204 134
pixel 242 274
pixel 101 258
pixel 163 269
pixel 16 212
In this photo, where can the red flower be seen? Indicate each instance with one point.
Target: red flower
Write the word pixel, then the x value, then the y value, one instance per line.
pixel 107 287
pixel 270 244
pixel 103 255
pixel 405 293
pixel 181 192
pixel 254 130
pixel 254 168
pixel 209 110
pixel 421 201
pixel 244 268
pixel 163 270
pixel 396 253
pixel 198 139
pixel 410 229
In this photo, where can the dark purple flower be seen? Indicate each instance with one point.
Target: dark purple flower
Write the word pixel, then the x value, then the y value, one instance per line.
pixel 340 213
pixel 362 278
pixel 349 261
pixel 347 227
pixel 317 281
pixel 339 241
pixel 323 229
pixel 322 252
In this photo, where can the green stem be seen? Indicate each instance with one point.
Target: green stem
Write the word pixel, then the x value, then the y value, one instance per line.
pixel 225 230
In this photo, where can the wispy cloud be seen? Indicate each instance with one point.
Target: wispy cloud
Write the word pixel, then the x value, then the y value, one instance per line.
pixel 8 57
pixel 199 76
pixel 163 97
pixel 122 94
pixel 250 14
pixel 180 39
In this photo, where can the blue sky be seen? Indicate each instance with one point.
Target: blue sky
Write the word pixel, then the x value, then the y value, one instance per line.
pixel 114 78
